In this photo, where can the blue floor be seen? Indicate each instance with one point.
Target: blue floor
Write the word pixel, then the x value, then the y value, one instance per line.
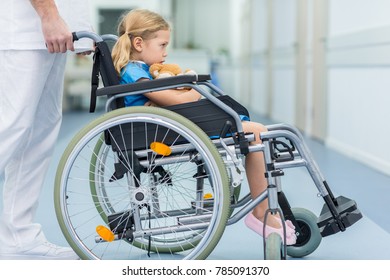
pixel 369 239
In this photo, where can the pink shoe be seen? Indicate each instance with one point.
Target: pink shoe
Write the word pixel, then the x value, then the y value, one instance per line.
pixel 288 222
pixel 290 228
pixel 257 226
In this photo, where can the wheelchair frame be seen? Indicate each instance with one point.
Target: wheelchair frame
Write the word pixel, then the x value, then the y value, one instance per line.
pixel 282 145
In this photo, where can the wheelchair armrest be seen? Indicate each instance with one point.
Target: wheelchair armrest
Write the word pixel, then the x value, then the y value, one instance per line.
pixel 204 78
pixel 150 85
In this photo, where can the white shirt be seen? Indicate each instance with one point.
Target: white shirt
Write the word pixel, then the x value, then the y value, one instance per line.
pixel 20 25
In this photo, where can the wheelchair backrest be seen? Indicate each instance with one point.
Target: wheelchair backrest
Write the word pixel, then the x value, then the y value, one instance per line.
pixel 103 67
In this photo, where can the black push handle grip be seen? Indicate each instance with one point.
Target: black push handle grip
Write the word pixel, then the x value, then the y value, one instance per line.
pixel 74 36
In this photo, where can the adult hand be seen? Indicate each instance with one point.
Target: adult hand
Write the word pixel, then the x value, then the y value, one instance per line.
pixel 57 36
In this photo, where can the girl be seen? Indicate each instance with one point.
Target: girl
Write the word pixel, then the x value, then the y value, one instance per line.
pixel 143 40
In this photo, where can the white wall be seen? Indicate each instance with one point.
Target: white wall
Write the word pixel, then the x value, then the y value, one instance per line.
pixel 359 80
pixel 356 80
pixel 283 60
pixel 202 23
pixel 359 114
pixel 260 97
pixel 348 16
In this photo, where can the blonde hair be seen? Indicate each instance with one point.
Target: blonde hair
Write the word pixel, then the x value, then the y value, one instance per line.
pixel 136 23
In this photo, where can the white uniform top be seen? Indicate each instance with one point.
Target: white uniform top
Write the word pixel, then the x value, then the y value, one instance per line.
pixel 20 25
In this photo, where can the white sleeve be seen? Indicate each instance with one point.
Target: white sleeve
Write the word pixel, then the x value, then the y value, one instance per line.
pixel 77 15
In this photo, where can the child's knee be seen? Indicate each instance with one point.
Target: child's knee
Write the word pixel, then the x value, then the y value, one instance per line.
pixel 255 128
pixel 262 128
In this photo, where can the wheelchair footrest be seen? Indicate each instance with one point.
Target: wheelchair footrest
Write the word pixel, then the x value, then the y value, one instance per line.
pixel 348 215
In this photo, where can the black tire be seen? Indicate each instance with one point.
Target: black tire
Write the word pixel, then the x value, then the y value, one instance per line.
pixel 311 237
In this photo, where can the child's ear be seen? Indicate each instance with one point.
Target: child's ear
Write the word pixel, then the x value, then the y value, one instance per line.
pixel 137 43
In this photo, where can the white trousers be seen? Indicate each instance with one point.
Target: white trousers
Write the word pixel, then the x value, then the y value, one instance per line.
pixel 31 85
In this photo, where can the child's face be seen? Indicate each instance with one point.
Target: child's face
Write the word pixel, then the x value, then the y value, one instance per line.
pixel 155 50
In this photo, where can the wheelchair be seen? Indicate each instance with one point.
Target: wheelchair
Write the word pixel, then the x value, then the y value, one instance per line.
pixel 163 183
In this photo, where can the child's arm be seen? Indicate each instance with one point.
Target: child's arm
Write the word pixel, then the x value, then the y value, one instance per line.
pixel 173 96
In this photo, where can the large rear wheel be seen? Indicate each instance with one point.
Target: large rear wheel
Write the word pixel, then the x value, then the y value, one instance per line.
pixel 142 183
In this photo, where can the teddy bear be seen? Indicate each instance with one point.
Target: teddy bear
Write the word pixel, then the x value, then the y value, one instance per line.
pixel 159 70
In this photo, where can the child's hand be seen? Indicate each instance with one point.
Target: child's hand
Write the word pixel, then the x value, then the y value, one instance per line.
pixel 150 103
pixel 85 53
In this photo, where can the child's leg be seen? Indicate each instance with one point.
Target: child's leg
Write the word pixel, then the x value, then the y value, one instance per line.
pixel 255 170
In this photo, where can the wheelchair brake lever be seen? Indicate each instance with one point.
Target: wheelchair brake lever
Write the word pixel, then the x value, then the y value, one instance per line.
pixel 237 175
pixel 226 127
